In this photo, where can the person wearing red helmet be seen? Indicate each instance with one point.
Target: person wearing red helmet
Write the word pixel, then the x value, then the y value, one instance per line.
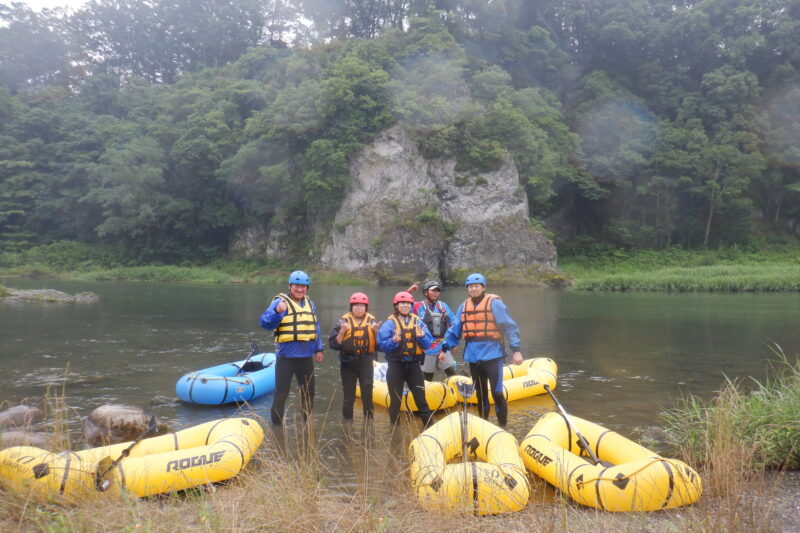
pixel 354 336
pixel 403 337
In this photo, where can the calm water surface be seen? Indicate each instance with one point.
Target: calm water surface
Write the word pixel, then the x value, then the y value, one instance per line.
pixel 622 358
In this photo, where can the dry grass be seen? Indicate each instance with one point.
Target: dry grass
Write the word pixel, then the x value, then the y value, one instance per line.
pixel 291 485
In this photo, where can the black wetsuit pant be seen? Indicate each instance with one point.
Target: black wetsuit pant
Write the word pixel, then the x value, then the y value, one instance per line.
pixel 303 369
pixel 360 371
pixel 410 373
pixel 482 373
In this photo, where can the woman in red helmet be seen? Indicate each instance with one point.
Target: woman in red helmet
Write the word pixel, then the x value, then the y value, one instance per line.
pixel 404 339
pixel 354 337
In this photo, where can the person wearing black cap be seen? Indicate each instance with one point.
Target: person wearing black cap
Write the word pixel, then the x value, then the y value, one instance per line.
pixel 438 316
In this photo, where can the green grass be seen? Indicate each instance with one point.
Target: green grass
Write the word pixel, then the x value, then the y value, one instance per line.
pixel 721 278
pixel 731 269
pixel 158 273
pixel 762 420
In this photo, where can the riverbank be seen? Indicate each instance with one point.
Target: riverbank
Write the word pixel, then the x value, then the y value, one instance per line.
pixel 291 484
pixel 293 491
pixel 774 268
pixel 734 269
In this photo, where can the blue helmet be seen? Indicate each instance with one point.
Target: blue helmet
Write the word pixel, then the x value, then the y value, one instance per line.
pixel 475 277
pixel 298 277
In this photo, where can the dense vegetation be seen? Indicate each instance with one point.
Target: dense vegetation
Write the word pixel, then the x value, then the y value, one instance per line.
pixel 155 129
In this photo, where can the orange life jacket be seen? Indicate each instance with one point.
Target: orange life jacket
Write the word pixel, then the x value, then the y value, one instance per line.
pixel 360 338
pixel 477 320
pixel 409 347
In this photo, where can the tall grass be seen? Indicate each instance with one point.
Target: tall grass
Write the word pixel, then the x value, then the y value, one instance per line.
pixel 770 268
pixel 760 426
pixel 291 485
pixel 719 278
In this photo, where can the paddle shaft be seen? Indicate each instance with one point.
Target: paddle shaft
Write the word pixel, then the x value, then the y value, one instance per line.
pixel 253 350
pixel 584 443
pixel 466 394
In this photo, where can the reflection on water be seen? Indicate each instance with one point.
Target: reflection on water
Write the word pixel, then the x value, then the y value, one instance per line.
pixel 623 358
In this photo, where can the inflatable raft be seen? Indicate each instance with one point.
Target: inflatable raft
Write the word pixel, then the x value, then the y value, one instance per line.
pixel 211 452
pixel 519 381
pixel 437 394
pixel 497 484
pixel 633 478
pixel 220 384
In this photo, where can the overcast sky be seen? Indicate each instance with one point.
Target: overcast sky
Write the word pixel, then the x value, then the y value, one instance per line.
pixel 38 5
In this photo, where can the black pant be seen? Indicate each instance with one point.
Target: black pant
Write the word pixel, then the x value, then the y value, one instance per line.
pixel 482 373
pixel 285 368
pixel 410 373
pixel 360 370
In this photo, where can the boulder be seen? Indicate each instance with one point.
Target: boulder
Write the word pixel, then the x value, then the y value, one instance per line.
pixel 24 438
pixel 114 423
pixel 20 416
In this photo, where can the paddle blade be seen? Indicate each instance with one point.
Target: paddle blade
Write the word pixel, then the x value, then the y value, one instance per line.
pixel 465 389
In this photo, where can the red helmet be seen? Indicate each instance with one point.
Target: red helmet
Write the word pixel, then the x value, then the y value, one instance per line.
pixel 359 298
pixel 403 296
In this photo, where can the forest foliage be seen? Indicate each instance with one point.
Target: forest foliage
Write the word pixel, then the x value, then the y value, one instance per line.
pixel 161 128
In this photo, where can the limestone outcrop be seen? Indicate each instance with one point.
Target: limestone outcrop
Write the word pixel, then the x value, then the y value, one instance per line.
pixel 406 217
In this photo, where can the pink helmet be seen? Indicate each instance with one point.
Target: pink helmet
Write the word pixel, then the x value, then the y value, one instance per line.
pixel 359 298
pixel 403 296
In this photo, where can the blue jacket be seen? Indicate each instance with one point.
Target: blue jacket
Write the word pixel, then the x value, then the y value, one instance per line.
pixel 485 350
pixel 387 345
pixel 270 320
pixel 421 309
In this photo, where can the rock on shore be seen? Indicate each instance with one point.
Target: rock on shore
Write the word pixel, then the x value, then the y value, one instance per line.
pixel 48 296
pixel 114 423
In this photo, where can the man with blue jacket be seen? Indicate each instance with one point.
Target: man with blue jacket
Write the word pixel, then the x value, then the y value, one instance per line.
pixel 437 316
pixel 484 322
pixel 293 317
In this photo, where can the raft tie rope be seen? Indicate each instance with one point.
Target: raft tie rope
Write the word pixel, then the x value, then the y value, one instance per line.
pixel 219 378
pixel 628 476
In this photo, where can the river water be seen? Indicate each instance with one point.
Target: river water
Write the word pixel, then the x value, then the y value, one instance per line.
pixel 623 357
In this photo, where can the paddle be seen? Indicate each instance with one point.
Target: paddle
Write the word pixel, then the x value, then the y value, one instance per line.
pixel 466 390
pixel 102 484
pixel 581 439
pixel 253 350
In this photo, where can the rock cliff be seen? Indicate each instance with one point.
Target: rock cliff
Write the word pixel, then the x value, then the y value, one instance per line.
pixel 406 217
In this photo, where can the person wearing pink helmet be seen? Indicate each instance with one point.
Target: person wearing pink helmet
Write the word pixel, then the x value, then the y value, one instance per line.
pixel 354 336
pixel 403 337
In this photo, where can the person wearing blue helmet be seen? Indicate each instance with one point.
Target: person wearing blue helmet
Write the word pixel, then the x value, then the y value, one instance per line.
pixel 293 318
pixel 484 322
